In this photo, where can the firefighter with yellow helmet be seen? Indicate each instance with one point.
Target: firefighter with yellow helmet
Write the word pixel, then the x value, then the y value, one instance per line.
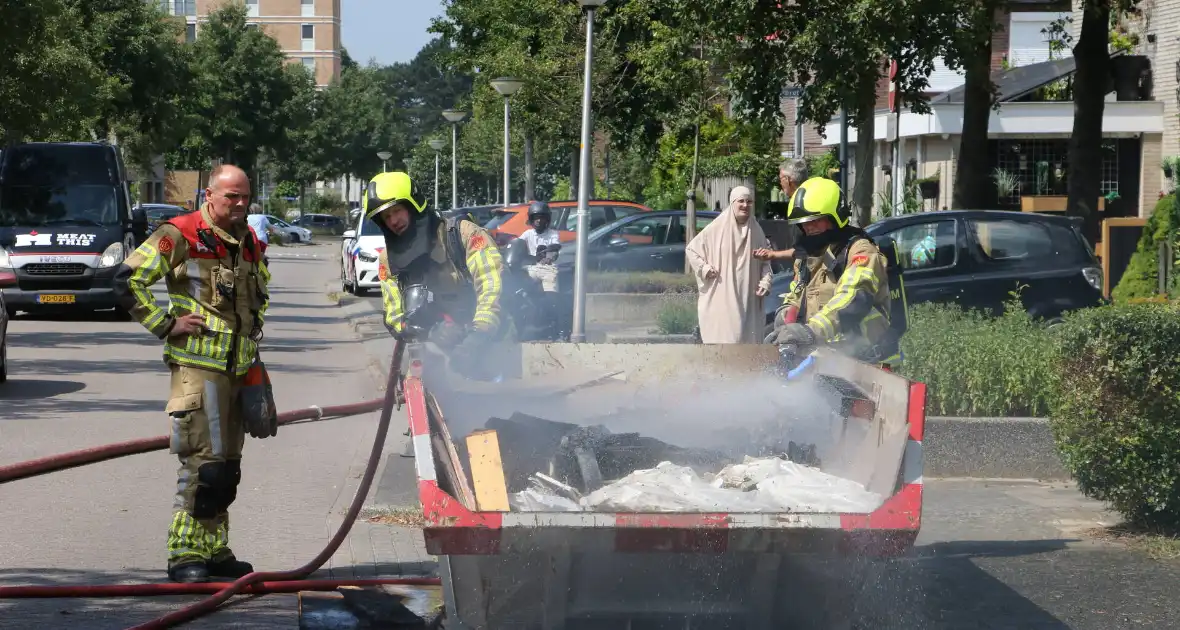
pixel 841 293
pixel 455 259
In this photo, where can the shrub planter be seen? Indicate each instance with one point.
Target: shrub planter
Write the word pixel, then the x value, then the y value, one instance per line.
pixel 637 308
pixel 1051 203
pixel 929 189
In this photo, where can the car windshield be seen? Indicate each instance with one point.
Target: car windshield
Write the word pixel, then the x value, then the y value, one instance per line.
pixel 163 212
pixel 369 228
pixel 500 218
pixel 277 221
pixel 58 205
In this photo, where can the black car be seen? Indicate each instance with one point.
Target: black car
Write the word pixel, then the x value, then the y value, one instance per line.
pixel 977 258
pixel 158 213
pixel 480 214
pixel 322 223
pixel 645 241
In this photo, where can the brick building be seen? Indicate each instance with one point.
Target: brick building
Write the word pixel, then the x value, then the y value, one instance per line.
pixel 308 31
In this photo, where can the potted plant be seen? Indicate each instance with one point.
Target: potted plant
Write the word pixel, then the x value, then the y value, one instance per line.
pixel 930 185
pixel 1006 183
pixel 1169 166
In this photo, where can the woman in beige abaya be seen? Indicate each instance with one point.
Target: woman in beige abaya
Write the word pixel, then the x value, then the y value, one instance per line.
pixel 731 282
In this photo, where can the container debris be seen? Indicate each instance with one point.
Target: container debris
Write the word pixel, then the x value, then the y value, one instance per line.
pixel 767 484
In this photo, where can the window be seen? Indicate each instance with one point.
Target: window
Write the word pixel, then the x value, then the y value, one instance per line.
pixel 925 245
pixel 597 218
pixel 1027 44
pixel 1003 240
pixel 307 7
pixel 623 211
pixel 179 7
pixel 649 231
pixel 252 8
pixel 190 33
pixel 309 64
pixel 308 35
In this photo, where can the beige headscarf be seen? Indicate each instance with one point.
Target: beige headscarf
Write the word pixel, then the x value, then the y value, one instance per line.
pixel 728 308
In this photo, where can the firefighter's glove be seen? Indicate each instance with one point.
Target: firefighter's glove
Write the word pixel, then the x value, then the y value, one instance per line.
pixel 258 403
pixel 448 335
pixel 796 335
pixel 470 358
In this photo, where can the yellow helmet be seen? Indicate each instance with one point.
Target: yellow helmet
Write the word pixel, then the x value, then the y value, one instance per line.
pixel 816 198
pixel 389 189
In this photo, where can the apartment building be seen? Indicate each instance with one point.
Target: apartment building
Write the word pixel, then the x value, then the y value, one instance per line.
pixel 308 31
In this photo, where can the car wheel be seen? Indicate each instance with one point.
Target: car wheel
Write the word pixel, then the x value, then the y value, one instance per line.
pixel 295 238
pixel 359 291
pixel 11 313
pixel 3 362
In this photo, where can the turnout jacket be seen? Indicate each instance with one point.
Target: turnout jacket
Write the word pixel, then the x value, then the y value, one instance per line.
pixel 209 272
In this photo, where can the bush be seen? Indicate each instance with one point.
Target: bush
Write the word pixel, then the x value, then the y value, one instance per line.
pixel 1141 279
pixel 677 317
pixel 1115 415
pixel 640 282
pixel 975 365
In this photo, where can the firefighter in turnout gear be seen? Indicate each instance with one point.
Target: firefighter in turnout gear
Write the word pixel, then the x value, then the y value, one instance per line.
pixel 841 292
pixel 454 260
pixel 211 262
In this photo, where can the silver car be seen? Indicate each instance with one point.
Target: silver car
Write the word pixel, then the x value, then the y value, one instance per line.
pixel 291 233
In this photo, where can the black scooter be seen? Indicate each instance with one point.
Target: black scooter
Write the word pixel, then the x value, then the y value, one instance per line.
pixel 538 315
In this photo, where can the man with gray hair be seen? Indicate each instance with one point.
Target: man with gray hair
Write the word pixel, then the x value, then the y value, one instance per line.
pixel 791 174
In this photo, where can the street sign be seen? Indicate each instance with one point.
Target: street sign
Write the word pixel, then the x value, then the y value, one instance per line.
pixel 792 91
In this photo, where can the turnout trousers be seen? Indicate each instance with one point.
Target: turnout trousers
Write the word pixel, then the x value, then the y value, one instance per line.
pixel 207 436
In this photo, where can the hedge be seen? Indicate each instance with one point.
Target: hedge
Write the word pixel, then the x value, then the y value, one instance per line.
pixel 975 365
pixel 640 282
pixel 1141 279
pixel 1116 415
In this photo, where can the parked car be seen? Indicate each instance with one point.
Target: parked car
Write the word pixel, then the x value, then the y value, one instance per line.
pixel 358 257
pixel 650 241
pixel 5 315
pixel 977 258
pixel 565 218
pixel 323 223
pixel 291 233
pixel 500 217
pixel 480 214
pixel 158 213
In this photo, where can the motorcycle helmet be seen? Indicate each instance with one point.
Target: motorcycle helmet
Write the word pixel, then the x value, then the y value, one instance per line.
pixel 540 216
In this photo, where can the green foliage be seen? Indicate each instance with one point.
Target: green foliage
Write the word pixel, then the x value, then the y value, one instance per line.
pixel 640 282
pixel 974 365
pixel 286 188
pixel 822 164
pixel 1114 418
pixel 677 317
pixel 1141 279
pixel 316 203
pixel 242 89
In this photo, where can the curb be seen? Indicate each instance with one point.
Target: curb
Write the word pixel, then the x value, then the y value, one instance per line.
pixel 999 448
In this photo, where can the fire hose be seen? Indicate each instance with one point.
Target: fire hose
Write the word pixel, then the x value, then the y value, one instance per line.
pixel 255 583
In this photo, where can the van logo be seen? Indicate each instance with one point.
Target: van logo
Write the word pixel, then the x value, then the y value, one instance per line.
pixel 82 240
pixel 33 239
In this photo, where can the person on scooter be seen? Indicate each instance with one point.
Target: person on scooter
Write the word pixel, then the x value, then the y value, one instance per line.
pixel 454 258
pixel 841 293
pixel 544 244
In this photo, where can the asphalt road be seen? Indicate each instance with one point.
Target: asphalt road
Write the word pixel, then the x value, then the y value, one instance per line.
pixel 992 555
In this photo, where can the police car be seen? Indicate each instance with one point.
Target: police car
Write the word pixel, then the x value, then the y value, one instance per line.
pixel 358 257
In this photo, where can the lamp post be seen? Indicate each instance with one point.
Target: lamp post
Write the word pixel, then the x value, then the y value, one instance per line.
pixel 585 181
pixel 454 116
pixel 507 86
pixel 437 144
pixel 384 155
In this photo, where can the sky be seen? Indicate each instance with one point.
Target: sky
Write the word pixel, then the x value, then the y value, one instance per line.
pixel 387 30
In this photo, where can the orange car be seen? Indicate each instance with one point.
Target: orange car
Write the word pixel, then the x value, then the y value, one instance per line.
pixel 565 218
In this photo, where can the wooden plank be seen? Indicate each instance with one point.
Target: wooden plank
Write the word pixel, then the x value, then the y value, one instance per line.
pixel 451 460
pixel 487 471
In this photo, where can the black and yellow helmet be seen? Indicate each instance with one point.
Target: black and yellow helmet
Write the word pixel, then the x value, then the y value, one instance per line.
pixel 389 189
pixel 816 198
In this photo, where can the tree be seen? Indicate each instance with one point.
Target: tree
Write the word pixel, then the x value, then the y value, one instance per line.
pixel 240 91
pixel 970 49
pixel 145 75
pixel 46 82
pixel 837 50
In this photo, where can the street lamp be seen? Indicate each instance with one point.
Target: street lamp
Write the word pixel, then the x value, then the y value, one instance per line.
pixel 454 116
pixel 437 144
pixel 384 155
pixel 507 86
pixel 585 181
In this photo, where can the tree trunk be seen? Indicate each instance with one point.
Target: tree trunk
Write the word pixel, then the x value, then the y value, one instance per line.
pixel 574 171
pixel 973 172
pixel 1089 93
pixel 530 173
pixel 862 193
